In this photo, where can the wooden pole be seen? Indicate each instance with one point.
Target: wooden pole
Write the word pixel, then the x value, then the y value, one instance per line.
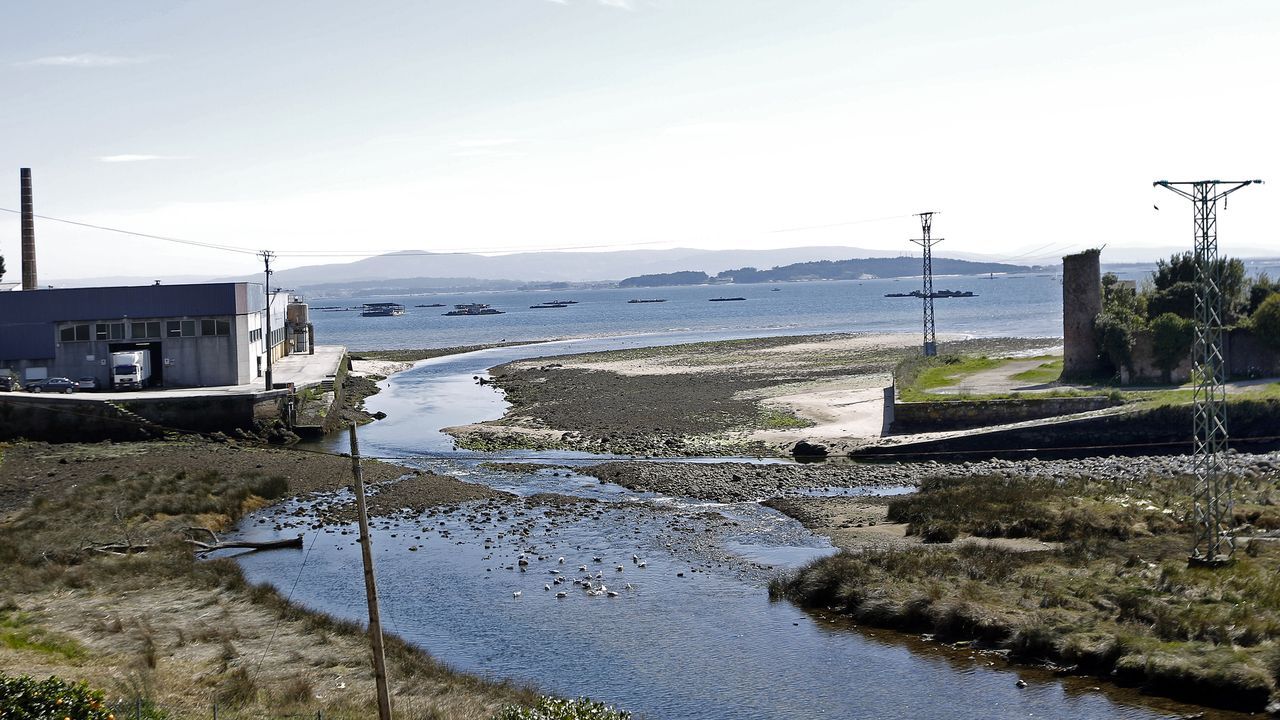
pixel 370 586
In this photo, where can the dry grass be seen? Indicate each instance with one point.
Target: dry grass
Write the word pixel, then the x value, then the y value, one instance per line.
pixel 184 634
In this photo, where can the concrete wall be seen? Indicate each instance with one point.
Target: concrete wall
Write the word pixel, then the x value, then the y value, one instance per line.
pixel 1246 357
pixel 1081 303
pixel 1163 430
pixel 913 417
pixel 81 419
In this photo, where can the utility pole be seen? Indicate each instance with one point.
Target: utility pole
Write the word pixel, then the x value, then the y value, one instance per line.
pixel 1212 496
pixel 266 261
pixel 370 586
pixel 926 241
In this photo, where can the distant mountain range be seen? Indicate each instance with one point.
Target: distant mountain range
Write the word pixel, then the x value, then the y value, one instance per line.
pixel 424 272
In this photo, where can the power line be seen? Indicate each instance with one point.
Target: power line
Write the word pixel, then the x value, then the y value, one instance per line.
pixel 197 243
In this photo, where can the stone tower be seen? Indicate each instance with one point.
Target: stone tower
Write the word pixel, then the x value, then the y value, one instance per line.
pixel 1081 303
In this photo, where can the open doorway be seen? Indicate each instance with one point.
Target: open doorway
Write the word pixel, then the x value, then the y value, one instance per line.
pixel 157 358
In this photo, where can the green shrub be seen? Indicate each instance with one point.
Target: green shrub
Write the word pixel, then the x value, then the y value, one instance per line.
pixel 1171 338
pixel 1266 321
pixel 550 708
pixel 25 698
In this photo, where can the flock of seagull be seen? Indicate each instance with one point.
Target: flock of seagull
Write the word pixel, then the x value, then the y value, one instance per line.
pixel 592 584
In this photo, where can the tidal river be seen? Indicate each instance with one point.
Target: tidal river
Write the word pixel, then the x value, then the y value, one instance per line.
pixel 685 628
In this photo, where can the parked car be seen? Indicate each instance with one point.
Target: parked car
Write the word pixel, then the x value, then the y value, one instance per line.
pixel 9 383
pixel 53 384
pixel 87 383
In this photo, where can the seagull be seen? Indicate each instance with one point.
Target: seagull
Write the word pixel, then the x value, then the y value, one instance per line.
pixel 516 594
pixel 546 587
pixel 619 568
pixel 613 593
pixel 562 595
pixel 597 558
pixel 642 564
pixel 1157 207
pixel 561 561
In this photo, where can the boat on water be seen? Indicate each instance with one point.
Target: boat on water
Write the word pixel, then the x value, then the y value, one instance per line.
pixel 431 305
pixel 473 309
pixel 936 294
pixel 381 309
pixel 732 299
pixel 647 301
pixel 562 302
pixel 548 306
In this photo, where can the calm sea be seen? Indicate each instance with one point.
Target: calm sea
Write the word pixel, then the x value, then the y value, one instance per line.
pixel 1013 305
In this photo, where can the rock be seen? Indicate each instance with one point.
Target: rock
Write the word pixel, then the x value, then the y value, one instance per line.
pixel 804 448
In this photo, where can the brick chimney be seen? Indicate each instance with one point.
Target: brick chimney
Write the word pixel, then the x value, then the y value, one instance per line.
pixel 28 233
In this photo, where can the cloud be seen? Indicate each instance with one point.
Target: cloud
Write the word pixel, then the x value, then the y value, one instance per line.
pixel 85 60
pixel 621 4
pixel 484 142
pixel 140 158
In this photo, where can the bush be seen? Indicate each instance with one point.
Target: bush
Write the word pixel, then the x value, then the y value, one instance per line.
pixel 1266 321
pixel 935 532
pixel 550 708
pixel 24 698
pixel 1171 341
pixel 1115 329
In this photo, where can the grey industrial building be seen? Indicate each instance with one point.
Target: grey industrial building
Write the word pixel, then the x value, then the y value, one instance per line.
pixel 198 335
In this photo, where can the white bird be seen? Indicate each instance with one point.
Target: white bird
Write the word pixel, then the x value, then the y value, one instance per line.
pixel 619 568
pixel 546 587
pixel 613 593
pixel 597 558
pixel 582 568
pixel 562 595
pixel 516 594
pixel 642 564
pixel 561 561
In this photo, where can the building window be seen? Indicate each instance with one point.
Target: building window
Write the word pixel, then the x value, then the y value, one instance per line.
pixel 173 328
pixel 74 333
pixel 140 330
pixel 255 335
pixel 215 327
pixel 188 328
pixel 101 331
pixel 117 331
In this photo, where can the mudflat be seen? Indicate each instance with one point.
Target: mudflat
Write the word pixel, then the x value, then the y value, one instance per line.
pixel 757 397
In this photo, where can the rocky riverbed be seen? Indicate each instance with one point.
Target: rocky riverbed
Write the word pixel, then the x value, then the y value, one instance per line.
pixel 736 482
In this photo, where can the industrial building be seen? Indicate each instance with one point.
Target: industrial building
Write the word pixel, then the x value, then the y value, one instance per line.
pixel 198 335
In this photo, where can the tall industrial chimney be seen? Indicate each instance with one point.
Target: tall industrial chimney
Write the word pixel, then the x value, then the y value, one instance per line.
pixel 28 233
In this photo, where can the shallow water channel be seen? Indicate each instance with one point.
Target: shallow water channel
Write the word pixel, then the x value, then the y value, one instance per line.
pixel 692 634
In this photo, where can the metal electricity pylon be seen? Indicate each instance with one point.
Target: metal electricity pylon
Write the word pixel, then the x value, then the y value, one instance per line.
pixel 926 241
pixel 1213 494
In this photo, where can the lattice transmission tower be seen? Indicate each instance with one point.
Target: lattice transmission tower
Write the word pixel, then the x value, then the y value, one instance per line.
pixel 1213 493
pixel 927 242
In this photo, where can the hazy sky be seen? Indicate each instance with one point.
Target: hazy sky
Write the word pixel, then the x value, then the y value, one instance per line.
pixel 535 124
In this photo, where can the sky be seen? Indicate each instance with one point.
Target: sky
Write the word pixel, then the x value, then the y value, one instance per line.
pixel 319 128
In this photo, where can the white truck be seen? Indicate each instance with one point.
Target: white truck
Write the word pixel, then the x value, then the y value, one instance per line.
pixel 130 369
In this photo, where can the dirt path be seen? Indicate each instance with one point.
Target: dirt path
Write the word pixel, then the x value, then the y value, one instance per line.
pixel 998 380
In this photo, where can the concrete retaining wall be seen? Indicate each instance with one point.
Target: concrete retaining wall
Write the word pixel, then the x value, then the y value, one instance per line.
pixel 1165 430
pixel 1246 357
pixel 84 419
pixel 915 417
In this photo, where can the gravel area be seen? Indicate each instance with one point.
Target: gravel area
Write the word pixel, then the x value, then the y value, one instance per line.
pixel 737 482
